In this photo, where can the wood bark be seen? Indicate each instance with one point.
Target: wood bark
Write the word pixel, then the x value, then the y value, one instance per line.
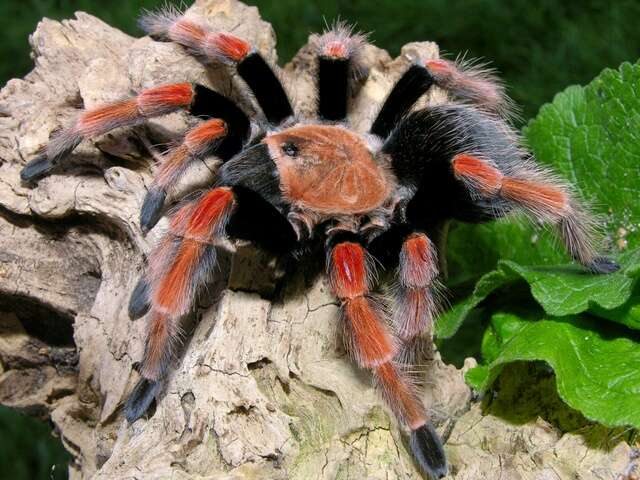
pixel 262 387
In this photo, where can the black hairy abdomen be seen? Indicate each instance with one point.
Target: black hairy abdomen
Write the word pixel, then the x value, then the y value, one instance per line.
pixel 421 149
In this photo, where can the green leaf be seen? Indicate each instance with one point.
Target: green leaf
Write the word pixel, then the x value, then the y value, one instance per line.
pixel 627 314
pixel 569 290
pixel 596 369
pixel 561 290
pixel 591 136
pixel 478 377
pixel 449 322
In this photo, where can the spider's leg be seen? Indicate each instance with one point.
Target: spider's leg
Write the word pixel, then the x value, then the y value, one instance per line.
pixel 416 304
pixel 474 83
pixel 152 102
pixel 338 51
pixel 404 94
pixel 197 143
pixel 542 197
pixel 223 136
pixel 184 259
pixel 224 47
pixel 98 121
pixel 253 219
pixel 257 217
pixel 178 266
pixel 374 347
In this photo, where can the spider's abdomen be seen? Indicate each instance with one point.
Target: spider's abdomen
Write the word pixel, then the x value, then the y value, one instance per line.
pixel 328 169
pixel 423 151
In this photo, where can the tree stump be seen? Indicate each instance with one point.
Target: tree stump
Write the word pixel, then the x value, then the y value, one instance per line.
pixel 262 387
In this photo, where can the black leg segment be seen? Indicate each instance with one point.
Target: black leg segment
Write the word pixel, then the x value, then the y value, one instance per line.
pixel 258 221
pixel 210 104
pixel 415 82
pixel 266 87
pixel 333 88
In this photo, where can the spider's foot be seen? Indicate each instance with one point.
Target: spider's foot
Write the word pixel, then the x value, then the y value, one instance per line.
pixel 603 265
pixel 140 399
pixel 139 301
pixel 428 451
pixel 36 169
pixel 152 209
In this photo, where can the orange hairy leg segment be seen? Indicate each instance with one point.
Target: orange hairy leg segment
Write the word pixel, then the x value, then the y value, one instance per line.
pixel 397 388
pixel 229 46
pixel 349 270
pixel 536 195
pixel 201 137
pixel 174 288
pixel 209 212
pixel 159 336
pixel 159 100
pixel 485 177
pixel 371 342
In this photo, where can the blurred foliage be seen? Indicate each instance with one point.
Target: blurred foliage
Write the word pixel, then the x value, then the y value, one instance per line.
pixel 28 450
pixel 539 48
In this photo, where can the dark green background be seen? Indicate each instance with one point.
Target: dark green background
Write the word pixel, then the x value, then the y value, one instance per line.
pixel 539 47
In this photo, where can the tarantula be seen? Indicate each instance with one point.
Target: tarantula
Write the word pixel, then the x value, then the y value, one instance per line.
pixel 385 196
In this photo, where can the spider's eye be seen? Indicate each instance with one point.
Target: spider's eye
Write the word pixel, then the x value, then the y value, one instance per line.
pixel 290 149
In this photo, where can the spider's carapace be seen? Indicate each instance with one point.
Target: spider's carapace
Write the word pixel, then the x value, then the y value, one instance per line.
pixel 328 170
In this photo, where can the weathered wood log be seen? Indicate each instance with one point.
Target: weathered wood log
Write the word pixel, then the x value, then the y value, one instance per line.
pixel 262 388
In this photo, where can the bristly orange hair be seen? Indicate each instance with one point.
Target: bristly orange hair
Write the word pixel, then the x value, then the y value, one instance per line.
pixel 209 212
pixel 418 264
pixel 102 119
pixel 157 351
pixel 336 50
pixel 370 341
pixel 401 395
pixel 173 164
pixel 202 137
pixel 536 196
pixel 473 82
pixel 225 46
pixel 481 175
pixel 174 289
pixel 165 99
pixel 175 268
pixel 188 33
pixel 348 270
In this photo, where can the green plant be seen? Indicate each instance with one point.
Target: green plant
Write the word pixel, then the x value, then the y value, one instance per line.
pixel 584 326
pixel 28 450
